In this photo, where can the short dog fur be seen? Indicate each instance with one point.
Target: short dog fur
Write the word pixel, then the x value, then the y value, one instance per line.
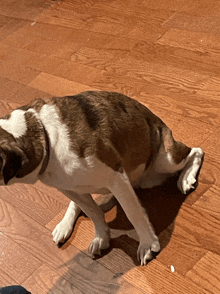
pixel 95 142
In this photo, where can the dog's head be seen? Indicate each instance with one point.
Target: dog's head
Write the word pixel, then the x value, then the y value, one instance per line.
pixel 12 158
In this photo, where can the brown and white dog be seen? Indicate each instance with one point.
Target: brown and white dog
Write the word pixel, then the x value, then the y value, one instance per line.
pixel 95 142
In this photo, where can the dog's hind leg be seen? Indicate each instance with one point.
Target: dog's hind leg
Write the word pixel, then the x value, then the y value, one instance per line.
pixel 187 178
pixel 86 203
pixel 176 157
pixel 64 229
pixel 124 193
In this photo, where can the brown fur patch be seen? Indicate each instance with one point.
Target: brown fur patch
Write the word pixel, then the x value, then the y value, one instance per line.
pixel 33 144
pixel 35 104
pixel 178 150
pixel 118 130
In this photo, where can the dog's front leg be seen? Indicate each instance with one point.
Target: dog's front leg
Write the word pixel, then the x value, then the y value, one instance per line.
pixel 86 203
pixel 64 229
pixel 124 193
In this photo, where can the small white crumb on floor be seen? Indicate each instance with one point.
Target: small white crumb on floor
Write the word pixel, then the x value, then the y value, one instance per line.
pixel 33 23
pixel 172 268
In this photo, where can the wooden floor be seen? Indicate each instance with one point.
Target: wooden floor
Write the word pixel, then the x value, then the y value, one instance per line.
pixel 166 54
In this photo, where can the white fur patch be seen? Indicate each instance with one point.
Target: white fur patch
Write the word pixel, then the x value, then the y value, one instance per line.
pixel 16 124
pixel 187 177
pixel 66 170
pixel 59 137
pixel 65 227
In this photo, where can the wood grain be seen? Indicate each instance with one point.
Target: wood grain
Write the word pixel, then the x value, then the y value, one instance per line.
pixel 203 231
pixel 46 82
pixel 17 265
pixel 34 203
pixel 5 279
pixel 206 273
pixel 45 279
pixel 165 54
pixel 166 281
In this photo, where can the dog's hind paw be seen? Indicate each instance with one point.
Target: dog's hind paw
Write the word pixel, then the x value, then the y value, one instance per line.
pixel 187 184
pixel 97 245
pixel 146 253
pixel 187 178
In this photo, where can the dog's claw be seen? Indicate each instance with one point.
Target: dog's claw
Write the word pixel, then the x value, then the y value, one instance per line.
pixel 97 245
pixel 146 253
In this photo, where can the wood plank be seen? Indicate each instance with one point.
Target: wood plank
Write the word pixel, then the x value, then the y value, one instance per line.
pixel 4 20
pixel 34 203
pixel 57 86
pixel 37 48
pixel 17 73
pixel 210 88
pixel 209 202
pixel 193 106
pixel 143 9
pixel 173 53
pixel 157 278
pixel 169 6
pixel 198 228
pixel 23 9
pixel 12 25
pixel 202 7
pixel 9 88
pixel 45 280
pixel 206 273
pixel 103 21
pixel 65 39
pixel 36 43
pixel 5 279
pixel 182 254
pixel 206 111
pixel 203 23
pixel 24 95
pixel 18 266
pixel 52 193
pixel 32 237
pixel 211 146
pixel 195 41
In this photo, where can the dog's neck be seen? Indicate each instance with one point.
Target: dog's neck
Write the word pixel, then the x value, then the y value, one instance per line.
pixel 47 153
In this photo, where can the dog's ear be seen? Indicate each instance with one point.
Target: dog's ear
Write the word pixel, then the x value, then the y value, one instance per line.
pixel 12 160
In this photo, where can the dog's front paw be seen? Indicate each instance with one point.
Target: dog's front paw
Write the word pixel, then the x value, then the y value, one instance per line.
pixel 147 252
pixel 62 232
pixel 98 244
